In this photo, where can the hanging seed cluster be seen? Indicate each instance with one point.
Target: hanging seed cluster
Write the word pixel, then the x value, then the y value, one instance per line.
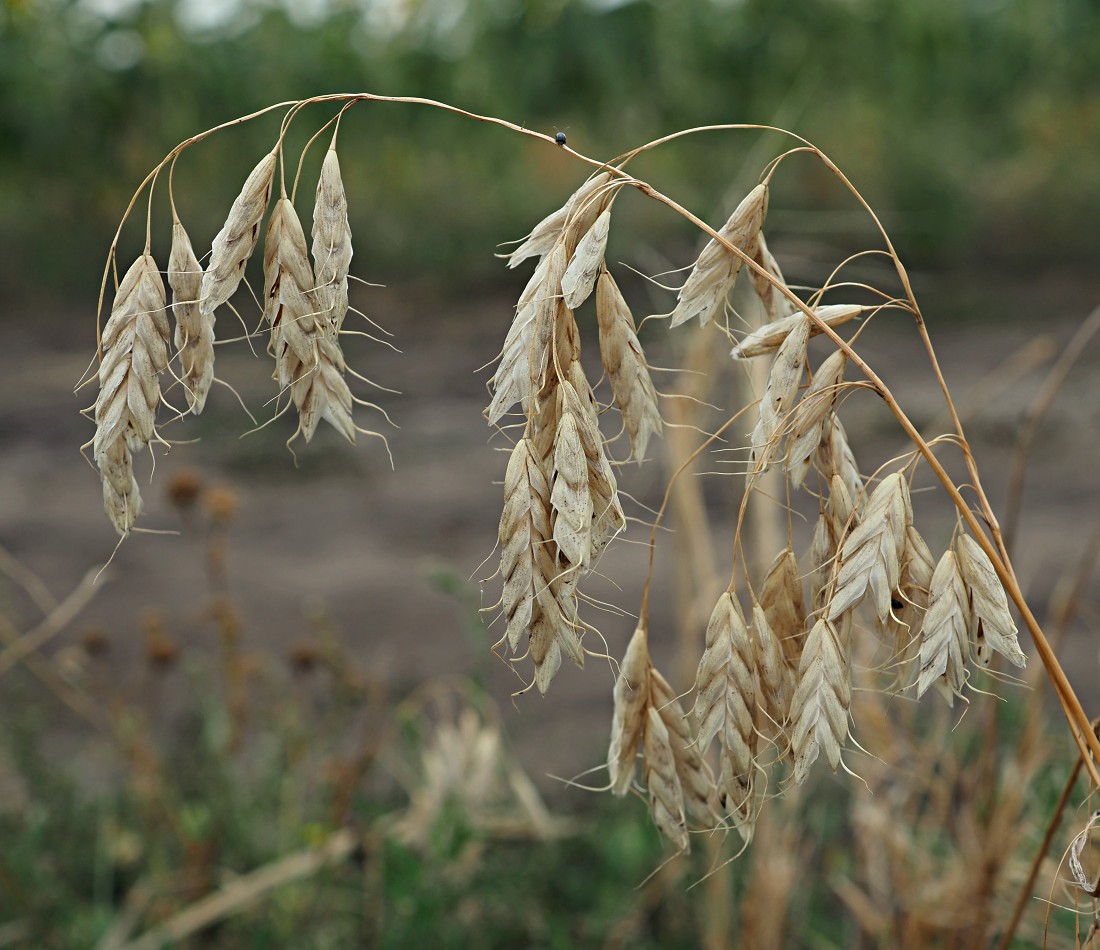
pixel 305 302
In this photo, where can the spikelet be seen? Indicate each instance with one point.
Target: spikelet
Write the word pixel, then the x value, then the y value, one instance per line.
pixel 135 351
pixel 569 496
pixel 808 426
pixel 582 207
pixel 523 360
pixel 194 337
pixel 870 558
pixel 994 629
pixel 819 708
pixel 910 603
pixel 771 669
pixel 545 648
pixel 779 396
pixel 331 243
pixel 770 336
pixel 726 701
pixel 695 776
pixel 775 304
pixel 586 263
pixel 781 597
pixel 631 698
pixel 944 644
pixel 716 270
pixel 525 562
pixel 835 458
pixel 666 794
pixel 823 560
pixel 237 239
pixel 289 305
pixel 625 364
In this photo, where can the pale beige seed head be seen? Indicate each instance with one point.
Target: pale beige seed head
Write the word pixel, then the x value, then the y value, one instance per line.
pixel 770 336
pixel 724 682
pixel 696 779
pixel 625 364
pixel 989 603
pixel 666 794
pixel 819 708
pixel 237 239
pixel 583 204
pixel 121 497
pixel 580 276
pixel 823 560
pixel 835 457
pixel 523 361
pixel 771 668
pixel 871 555
pixel 944 643
pixel 779 397
pixel 782 599
pixel 194 336
pixel 715 272
pixel 289 305
pixel 135 351
pixel 631 697
pixel 545 649
pixel 569 496
pixel 319 391
pixel 910 604
pixel 808 425
pixel 332 250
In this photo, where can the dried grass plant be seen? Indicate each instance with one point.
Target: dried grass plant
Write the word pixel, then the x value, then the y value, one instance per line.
pixel 875 606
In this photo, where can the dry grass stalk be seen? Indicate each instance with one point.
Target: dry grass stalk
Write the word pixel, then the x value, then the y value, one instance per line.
pixel 770 337
pixel 135 352
pixel 237 239
pixel 871 556
pixel 715 272
pixel 944 643
pixel 819 708
pixel 992 623
pixel 779 397
pixel 194 337
pixel 625 364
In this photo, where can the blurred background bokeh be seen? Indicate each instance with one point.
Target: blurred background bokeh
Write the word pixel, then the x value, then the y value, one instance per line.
pixel 301 662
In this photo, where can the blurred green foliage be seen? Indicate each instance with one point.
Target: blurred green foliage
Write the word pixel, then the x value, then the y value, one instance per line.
pixel 971 125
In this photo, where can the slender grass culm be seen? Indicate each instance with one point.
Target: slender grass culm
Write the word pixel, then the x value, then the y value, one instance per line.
pixel 783 650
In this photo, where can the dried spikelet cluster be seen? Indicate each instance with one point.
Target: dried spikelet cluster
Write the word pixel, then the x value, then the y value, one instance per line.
pixel 305 303
pixel 561 498
pixel 775 688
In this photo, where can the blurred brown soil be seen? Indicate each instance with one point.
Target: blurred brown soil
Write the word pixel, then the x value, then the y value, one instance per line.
pixel 379 554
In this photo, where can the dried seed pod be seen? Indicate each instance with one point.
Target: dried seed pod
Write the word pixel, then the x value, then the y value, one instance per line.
pixel 910 604
pixel 331 243
pixel 770 336
pixel 779 396
pixel 716 270
pixel 995 629
pixel 771 669
pixel 289 306
pixel 625 365
pixel 819 708
pixel 696 779
pixel 822 562
pixel 834 457
pixel 870 558
pixel 631 698
pixel 194 337
pixel 811 414
pixel 237 239
pixel 586 263
pixel 944 644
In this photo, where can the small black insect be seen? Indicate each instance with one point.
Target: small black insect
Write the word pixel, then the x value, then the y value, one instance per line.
pixel 560 138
